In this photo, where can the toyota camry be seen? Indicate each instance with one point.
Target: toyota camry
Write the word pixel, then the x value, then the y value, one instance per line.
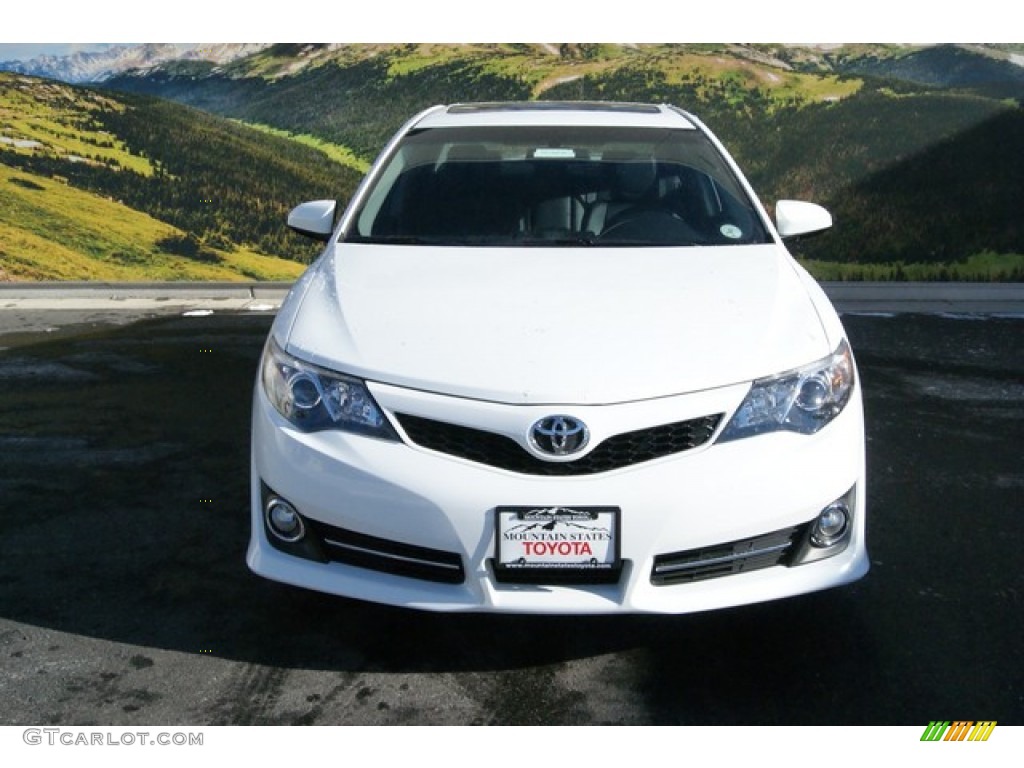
pixel 556 358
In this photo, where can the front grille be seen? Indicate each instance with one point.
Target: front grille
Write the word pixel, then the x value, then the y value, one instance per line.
pixel 726 559
pixel 394 557
pixel 503 452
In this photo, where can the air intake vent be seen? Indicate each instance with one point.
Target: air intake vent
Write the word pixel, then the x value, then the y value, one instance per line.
pixel 394 557
pixel 726 559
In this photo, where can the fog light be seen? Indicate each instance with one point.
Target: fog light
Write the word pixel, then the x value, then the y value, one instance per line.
pixel 831 525
pixel 283 521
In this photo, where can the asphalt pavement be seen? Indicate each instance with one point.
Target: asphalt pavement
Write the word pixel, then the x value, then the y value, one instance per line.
pixel 125 599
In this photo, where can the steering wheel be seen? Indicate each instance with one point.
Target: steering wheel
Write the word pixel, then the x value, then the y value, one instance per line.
pixel 651 223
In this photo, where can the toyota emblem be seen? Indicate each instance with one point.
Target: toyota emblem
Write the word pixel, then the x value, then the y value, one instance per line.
pixel 559 435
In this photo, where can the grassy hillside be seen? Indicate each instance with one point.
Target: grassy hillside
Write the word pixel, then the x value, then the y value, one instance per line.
pixel 44 117
pixel 335 152
pixel 170 191
pixel 52 231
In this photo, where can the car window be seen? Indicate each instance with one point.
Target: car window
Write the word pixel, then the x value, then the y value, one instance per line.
pixel 508 186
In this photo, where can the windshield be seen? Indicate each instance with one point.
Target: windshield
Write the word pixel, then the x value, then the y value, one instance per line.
pixel 550 185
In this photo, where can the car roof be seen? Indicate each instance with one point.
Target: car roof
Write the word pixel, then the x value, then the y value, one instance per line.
pixel 539 113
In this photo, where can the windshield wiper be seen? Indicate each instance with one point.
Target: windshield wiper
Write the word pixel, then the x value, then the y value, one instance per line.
pixel 554 242
pixel 393 240
pixel 616 243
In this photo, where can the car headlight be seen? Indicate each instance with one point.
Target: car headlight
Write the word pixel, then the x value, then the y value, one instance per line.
pixel 313 398
pixel 801 401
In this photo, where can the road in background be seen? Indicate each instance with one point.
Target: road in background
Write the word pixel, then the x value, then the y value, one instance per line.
pixel 27 308
pixel 72 308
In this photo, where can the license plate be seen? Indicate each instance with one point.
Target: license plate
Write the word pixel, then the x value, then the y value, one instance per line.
pixel 557 542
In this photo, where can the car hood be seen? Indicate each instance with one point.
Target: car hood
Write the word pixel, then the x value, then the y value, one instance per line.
pixel 568 325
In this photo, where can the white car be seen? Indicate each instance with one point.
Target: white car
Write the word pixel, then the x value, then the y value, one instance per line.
pixel 555 358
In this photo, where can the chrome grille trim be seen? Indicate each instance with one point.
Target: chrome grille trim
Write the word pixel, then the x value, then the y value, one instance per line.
pixel 389 555
pixel 398 558
pixel 670 568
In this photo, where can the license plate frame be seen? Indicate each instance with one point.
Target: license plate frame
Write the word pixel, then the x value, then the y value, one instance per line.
pixel 557 544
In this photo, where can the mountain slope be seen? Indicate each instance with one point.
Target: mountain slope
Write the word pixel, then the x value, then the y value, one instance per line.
pixel 52 231
pixel 220 187
pixel 915 148
pixel 959 196
pixel 356 96
pixel 915 175
pixel 986 71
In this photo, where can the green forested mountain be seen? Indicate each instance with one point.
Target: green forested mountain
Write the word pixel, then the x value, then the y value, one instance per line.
pixel 917 151
pixel 993 71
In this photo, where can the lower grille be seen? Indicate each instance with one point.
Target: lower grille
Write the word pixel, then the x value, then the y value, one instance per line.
pixel 726 559
pixel 503 452
pixel 393 557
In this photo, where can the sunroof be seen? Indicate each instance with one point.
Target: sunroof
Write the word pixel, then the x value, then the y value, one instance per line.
pixel 553 106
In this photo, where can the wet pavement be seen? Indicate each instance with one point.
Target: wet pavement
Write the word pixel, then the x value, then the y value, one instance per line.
pixel 125 599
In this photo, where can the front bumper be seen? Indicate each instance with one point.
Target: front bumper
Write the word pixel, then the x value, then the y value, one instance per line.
pixel 384 502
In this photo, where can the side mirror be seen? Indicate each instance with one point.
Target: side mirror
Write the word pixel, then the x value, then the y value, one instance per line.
pixel 794 217
pixel 314 219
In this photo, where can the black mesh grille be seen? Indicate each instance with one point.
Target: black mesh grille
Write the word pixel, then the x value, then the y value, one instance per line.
pixel 726 559
pixel 503 452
